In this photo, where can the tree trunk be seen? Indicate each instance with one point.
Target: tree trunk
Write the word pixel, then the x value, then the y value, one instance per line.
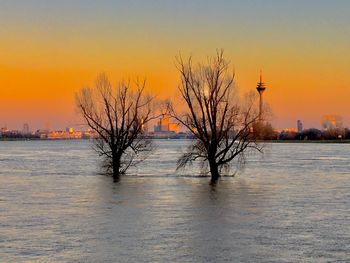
pixel 116 166
pixel 214 170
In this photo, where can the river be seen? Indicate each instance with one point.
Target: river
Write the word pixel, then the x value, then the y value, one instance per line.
pixel 290 204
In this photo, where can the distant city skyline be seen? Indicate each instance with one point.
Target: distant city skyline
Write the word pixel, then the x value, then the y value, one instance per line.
pixel 325 121
pixel 50 49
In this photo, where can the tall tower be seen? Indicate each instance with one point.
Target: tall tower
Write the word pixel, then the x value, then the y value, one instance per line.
pixel 260 88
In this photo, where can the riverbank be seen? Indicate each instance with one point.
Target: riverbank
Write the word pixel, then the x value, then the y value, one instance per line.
pixel 263 141
pixel 307 141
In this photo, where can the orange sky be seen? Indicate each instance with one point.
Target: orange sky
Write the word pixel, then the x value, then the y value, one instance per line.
pixel 49 50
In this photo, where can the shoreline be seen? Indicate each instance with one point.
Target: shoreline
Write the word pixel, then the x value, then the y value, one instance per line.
pixel 344 141
pixel 308 141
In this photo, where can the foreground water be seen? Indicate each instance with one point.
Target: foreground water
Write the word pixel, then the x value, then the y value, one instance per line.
pixel 291 204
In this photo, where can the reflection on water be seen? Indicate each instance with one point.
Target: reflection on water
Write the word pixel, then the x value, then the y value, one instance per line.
pixel 290 205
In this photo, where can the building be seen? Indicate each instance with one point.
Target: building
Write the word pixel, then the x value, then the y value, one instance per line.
pixel 4 130
pixel 64 135
pixel 329 122
pixel 90 134
pixel 70 130
pixel 164 125
pixel 25 128
pixel 42 133
pixel 290 130
pixel 261 87
pixel 165 128
pixel 299 126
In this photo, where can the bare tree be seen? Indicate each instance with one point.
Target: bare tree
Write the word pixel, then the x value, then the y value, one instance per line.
pixel 118 116
pixel 221 125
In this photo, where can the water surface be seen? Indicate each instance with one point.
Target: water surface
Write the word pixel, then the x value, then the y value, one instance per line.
pixel 291 204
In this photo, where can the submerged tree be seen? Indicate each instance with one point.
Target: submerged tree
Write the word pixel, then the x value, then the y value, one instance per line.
pixel 221 124
pixel 118 116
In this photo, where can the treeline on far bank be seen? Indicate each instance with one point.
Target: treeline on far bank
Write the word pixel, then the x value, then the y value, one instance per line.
pixel 265 131
pixel 18 136
pixel 261 131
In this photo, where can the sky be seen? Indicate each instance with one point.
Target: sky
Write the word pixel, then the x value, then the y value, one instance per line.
pixel 50 49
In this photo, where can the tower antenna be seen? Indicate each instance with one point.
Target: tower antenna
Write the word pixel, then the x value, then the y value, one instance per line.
pixel 261 87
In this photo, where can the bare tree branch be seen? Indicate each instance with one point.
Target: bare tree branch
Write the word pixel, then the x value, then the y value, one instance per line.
pixel 221 125
pixel 118 116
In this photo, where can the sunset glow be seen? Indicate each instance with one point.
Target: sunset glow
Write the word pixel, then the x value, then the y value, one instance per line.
pixel 50 49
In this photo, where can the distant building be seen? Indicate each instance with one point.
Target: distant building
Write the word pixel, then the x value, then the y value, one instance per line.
pixel 329 122
pixel 164 125
pixel 70 130
pixel 4 130
pixel 70 134
pixel 166 129
pixel 42 133
pixel 25 128
pixel 299 126
pixel 290 130
pixel 90 134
